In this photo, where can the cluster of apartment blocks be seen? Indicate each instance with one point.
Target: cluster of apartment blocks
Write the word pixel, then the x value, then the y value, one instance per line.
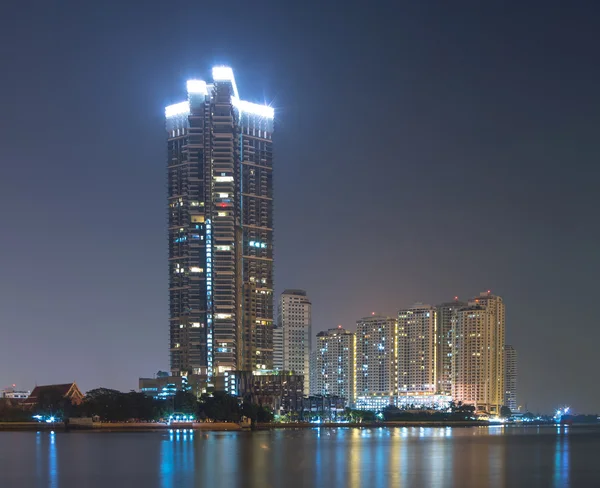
pixel 221 314
pixel 426 356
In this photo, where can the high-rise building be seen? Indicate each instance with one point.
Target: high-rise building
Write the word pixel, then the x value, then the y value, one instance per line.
pixel 294 319
pixel 417 337
pixel 376 373
pixel 478 353
pixel 312 375
pixel 446 315
pixel 277 348
pixel 220 229
pixel 510 378
pixel 334 364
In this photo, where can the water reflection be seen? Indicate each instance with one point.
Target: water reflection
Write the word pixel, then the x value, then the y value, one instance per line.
pixel 177 457
pixel 561 457
pixel 395 457
pixel 52 461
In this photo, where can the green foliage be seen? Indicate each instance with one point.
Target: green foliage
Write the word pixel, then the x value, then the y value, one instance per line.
pixel 256 413
pixel 185 402
pixel 12 412
pixel 359 415
pixel 115 406
pixel 505 412
pixel 457 412
pixel 52 402
pixel 220 407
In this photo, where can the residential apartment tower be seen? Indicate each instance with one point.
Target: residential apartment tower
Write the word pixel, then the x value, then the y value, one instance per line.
pixel 334 364
pixel 294 325
pixel 478 353
pixel 220 229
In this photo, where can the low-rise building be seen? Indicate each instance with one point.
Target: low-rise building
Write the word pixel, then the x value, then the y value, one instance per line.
pixel 163 385
pixel 281 391
pixel 68 391
pixel 13 394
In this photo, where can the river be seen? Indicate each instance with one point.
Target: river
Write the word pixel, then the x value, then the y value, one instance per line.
pixel 337 457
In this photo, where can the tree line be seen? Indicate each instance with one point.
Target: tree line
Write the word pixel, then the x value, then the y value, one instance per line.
pixel 115 406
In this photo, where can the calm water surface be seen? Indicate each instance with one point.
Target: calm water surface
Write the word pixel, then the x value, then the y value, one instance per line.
pixel 378 457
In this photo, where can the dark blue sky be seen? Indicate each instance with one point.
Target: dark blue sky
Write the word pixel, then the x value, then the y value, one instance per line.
pixel 423 150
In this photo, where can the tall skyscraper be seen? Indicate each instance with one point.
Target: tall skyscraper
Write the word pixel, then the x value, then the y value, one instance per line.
pixel 446 316
pixel 295 322
pixel 376 347
pixel 510 378
pixel 417 337
pixel 220 229
pixel 334 364
pixel 478 353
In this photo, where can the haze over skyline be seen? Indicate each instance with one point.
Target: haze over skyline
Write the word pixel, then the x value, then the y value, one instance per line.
pixel 422 152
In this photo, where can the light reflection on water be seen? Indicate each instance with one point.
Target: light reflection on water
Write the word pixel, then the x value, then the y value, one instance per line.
pixel 561 457
pixel 52 461
pixel 177 457
pixel 340 457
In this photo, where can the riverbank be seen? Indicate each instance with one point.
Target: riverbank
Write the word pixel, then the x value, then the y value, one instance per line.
pixel 232 426
pixel 412 423
pixel 224 426
pixel 120 426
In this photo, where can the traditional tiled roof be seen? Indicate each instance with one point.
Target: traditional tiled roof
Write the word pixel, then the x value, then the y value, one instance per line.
pixel 67 390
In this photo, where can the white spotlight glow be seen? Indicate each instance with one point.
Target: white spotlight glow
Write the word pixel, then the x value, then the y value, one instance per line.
pixel 197 87
pixel 225 73
pixel 253 108
pixel 177 109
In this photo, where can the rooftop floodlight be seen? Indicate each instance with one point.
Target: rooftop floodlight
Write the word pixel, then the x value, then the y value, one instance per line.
pixel 197 87
pixel 181 108
pixel 254 108
pixel 225 73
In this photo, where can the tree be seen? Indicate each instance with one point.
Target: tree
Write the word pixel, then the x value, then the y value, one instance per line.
pixel 140 406
pixel 505 412
pixel 109 405
pixel 264 415
pixel 185 402
pixel 51 402
pixel 11 412
pixel 220 406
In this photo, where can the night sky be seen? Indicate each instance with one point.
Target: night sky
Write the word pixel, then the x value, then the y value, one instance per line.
pixel 423 150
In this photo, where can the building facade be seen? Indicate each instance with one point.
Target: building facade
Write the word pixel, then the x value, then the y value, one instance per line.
pixel 14 394
pixel 220 230
pixel 376 358
pixel 295 321
pixel 281 391
pixel 510 378
pixel 446 316
pixel 335 364
pixel 277 348
pixel 478 353
pixel 164 386
pixel 417 352
pixel 68 391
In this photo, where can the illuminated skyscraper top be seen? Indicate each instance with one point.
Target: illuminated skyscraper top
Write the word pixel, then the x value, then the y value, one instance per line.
pixel 220 197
